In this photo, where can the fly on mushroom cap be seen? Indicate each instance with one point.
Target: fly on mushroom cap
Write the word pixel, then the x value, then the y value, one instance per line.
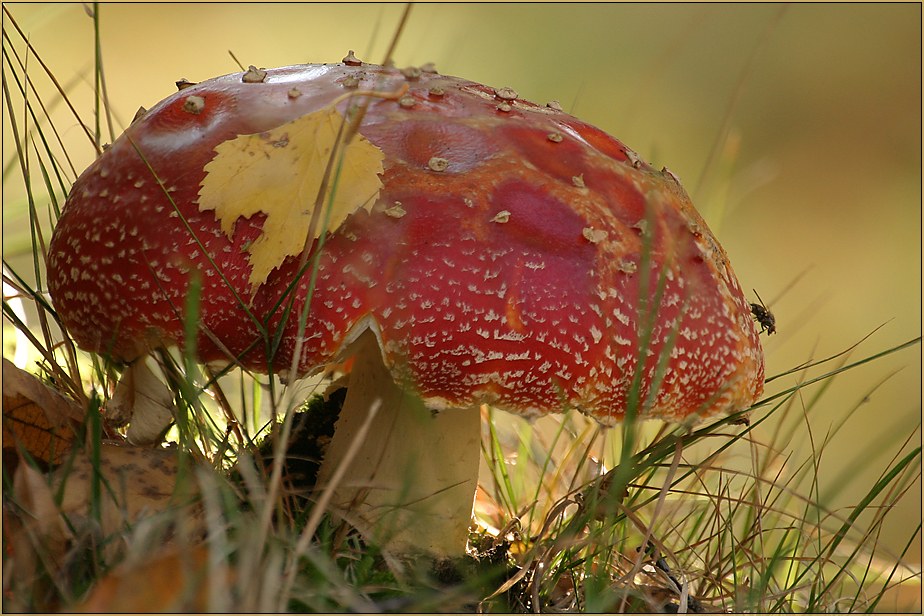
pixel 532 273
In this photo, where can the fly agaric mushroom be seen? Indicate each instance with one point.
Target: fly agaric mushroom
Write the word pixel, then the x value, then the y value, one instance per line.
pixel 513 255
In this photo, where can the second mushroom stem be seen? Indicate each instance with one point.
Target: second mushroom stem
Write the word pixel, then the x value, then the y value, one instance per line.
pixel 410 486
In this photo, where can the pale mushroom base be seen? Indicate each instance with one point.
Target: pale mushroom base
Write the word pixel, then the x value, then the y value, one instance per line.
pixel 410 481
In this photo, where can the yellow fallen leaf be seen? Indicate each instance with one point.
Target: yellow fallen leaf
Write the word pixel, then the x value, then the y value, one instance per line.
pixel 280 173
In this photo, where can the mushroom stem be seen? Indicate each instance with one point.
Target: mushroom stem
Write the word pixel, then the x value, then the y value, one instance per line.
pixel 410 485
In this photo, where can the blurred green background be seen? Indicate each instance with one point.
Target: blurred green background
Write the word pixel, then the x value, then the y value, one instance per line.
pixel 797 131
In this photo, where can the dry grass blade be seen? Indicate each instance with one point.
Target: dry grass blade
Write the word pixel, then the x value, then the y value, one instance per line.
pixel 24 86
pixel 722 133
pixel 323 501
pixel 67 377
pixel 54 80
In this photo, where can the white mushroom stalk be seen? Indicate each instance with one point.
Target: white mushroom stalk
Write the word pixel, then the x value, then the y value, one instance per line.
pixel 410 484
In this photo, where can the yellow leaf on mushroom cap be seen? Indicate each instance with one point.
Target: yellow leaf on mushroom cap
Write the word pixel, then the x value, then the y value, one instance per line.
pixel 280 173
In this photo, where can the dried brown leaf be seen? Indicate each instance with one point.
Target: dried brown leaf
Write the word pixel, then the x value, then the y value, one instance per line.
pixel 37 418
pixel 135 482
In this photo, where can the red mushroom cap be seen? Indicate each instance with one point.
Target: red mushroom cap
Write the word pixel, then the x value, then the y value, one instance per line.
pixel 503 261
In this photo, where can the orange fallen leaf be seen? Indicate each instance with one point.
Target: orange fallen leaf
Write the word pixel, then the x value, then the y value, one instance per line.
pixel 37 418
pixel 280 173
pixel 174 581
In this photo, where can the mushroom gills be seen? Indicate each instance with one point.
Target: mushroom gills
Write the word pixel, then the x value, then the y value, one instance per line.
pixel 409 486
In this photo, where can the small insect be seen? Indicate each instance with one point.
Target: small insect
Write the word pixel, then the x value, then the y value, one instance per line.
pixel 763 316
